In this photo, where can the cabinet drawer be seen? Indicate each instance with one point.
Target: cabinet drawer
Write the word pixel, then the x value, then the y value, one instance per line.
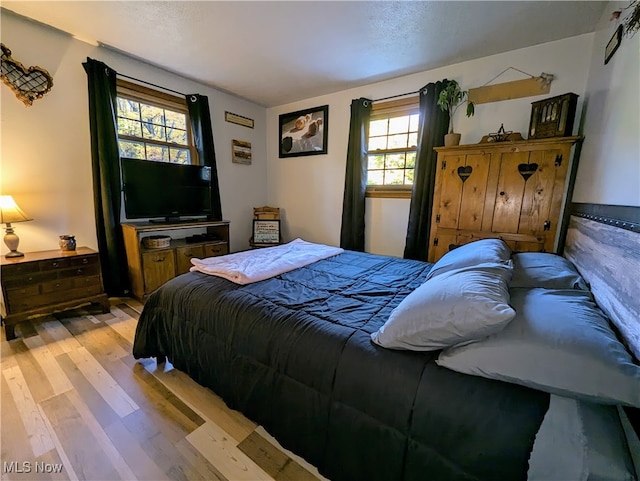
pixel 212 250
pixel 25 303
pixel 158 268
pixel 89 270
pixel 89 281
pixel 54 264
pixel 56 286
pixel 184 256
pixel 85 261
pixel 29 279
pixel 19 294
pixel 19 270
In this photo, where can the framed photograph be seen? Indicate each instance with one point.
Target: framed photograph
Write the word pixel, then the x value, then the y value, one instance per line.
pixel 304 132
pixel 241 152
pixel 613 45
pixel 266 231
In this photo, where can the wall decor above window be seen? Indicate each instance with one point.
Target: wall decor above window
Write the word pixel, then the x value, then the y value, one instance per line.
pixel 28 84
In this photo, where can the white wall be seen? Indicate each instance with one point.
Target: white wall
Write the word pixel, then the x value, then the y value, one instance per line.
pixel 609 171
pixel 46 148
pixel 310 189
pixel 46 160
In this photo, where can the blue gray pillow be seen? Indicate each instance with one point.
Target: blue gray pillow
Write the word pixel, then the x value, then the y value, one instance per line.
pixel 482 251
pixel 455 307
pixel 543 269
pixel 559 342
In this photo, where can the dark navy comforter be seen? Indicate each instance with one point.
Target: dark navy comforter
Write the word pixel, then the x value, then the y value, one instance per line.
pixel 294 354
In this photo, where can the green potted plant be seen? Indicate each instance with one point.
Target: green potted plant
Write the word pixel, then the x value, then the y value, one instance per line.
pixel 449 100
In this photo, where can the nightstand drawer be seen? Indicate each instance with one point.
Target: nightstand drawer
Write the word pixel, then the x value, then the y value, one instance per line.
pixel 89 281
pixel 19 270
pixel 89 270
pixel 29 279
pixel 56 286
pixel 27 303
pixel 19 294
pixel 85 261
pixel 54 264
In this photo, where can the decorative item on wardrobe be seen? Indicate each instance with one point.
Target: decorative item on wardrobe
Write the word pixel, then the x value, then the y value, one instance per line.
pixel 28 84
pixel 451 97
pixel 501 135
pixel 553 117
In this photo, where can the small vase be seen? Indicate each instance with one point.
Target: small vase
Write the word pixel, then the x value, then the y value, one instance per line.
pixel 67 243
pixel 451 139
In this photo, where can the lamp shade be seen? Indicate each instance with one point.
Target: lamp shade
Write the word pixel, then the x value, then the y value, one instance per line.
pixel 10 212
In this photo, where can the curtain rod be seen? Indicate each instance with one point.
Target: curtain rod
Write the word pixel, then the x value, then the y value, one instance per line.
pixel 149 83
pixel 399 95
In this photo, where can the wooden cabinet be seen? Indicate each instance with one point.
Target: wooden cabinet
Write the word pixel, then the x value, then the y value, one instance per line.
pixel 149 268
pixel 47 281
pixel 514 191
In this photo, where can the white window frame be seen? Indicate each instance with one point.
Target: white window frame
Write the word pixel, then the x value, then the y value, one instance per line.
pixel 140 93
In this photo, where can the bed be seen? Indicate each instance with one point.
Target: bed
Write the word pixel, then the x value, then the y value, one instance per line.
pixel 300 353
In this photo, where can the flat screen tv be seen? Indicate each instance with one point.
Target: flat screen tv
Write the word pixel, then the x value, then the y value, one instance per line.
pixel 164 192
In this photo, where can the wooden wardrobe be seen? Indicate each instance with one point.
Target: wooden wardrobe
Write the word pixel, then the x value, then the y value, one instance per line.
pixel 515 191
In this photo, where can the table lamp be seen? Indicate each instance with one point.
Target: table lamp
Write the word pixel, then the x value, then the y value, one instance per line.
pixel 10 212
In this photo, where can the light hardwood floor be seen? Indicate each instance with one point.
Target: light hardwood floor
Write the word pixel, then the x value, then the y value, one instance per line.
pixel 75 405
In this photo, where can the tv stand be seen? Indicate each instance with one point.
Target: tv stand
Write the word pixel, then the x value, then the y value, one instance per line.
pixel 149 268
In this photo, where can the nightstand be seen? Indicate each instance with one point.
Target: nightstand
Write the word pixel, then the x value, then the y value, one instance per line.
pixel 47 281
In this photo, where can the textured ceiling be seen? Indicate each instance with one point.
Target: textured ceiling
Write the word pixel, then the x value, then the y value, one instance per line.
pixel 274 53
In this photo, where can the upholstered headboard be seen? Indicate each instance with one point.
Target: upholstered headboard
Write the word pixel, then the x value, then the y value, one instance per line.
pixel 603 242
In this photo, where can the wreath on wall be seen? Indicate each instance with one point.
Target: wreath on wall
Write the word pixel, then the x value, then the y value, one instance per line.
pixel 28 84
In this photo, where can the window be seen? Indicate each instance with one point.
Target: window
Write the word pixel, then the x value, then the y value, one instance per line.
pixel 392 145
pixel 153 125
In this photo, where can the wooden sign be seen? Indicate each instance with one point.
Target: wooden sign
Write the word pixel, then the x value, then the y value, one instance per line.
pixel 509 90
pixel 238 119
pixel 266 231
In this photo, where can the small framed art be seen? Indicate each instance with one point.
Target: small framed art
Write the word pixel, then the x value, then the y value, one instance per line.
pixel 266 231
pixel 304 132
pixel 613 44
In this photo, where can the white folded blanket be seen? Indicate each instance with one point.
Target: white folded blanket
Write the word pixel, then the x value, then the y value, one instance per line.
pixel 259 264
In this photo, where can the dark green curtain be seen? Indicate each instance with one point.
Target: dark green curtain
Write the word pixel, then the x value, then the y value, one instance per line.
pixel 433 127
pixel 202 128
pixel 355 182
pixel 105 161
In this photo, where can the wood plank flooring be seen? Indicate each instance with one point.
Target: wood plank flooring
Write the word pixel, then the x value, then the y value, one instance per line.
pixel 75 405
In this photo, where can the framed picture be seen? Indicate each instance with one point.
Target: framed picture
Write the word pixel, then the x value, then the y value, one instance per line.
pixel 266 231
pixel 613 45
pixel 241 152
pixel 304 132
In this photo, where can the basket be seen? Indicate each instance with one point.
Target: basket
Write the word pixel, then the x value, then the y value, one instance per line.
pixel 156 241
